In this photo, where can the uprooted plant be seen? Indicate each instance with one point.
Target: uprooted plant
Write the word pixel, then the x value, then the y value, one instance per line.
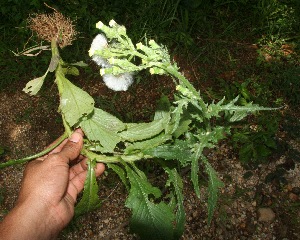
pixel 179 132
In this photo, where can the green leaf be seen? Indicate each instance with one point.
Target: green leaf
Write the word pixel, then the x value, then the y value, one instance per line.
pixel 182 128
pixel 163 108
pixel 182 103
pixel 149 220
pixel 141 131
pixel 180 150
pixel 206 140
pixel 74 102
pixel 213 188
pixel 240 112
pixel 146 144
pixel 102 127
pixel 71 71
pixel 79 64
pixel 90 199
pixel 176 181
pixel 34 86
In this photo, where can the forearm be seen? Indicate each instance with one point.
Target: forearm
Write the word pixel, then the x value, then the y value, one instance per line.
pixel 27 222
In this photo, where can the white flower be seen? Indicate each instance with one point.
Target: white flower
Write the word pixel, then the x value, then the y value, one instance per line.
pixel 118 83
pixel 99 43
pixel 102 62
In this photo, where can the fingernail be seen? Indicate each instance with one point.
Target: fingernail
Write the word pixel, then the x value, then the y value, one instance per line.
pixel 75 137
pixel 78 130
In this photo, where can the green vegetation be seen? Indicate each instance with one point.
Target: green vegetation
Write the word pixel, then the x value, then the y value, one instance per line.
pixel 246 48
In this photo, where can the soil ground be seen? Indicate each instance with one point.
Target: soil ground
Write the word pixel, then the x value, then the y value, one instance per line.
pixel 249 208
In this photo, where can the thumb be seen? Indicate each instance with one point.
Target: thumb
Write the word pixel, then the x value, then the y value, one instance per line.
pixel 71 150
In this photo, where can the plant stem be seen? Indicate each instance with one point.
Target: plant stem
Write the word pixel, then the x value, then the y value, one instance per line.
pixel 113 159
pixel 40 154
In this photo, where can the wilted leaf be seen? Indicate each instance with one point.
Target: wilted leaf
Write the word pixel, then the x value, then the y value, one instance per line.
pixel 53 63
pixel 34 86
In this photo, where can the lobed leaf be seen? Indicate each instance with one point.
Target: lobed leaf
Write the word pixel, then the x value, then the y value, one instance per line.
pixel 240 112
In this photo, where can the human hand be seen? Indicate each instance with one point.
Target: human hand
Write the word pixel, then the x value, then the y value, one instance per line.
pixel 49 190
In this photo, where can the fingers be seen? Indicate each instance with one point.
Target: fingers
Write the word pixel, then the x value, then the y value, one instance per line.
pixel 78 175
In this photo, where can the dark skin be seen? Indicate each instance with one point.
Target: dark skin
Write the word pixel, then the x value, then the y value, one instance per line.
pixel 48 193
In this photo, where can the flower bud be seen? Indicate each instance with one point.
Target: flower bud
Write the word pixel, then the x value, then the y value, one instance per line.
pixel 112 23
pixel 99 25
pixel 139 45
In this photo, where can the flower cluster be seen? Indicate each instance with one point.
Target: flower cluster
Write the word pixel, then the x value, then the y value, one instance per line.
pixel 119 82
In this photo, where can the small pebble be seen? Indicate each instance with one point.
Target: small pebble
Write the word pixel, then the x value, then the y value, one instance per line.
pixel 266 215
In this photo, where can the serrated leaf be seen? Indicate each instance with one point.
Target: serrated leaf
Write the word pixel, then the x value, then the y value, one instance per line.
pixel 206 140
pixel 214 184
pixel 182 103
pixel 240 112
pixel 180 150
pixel 141 131
pixel 238 115
pixel 34 86
pixel 102 127
pixel 176 181
pixel 149 220
pixel 90 199
pixel 74 102
pixel 213 109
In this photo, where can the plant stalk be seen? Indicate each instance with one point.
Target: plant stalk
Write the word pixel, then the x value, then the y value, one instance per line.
pixel 40 154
